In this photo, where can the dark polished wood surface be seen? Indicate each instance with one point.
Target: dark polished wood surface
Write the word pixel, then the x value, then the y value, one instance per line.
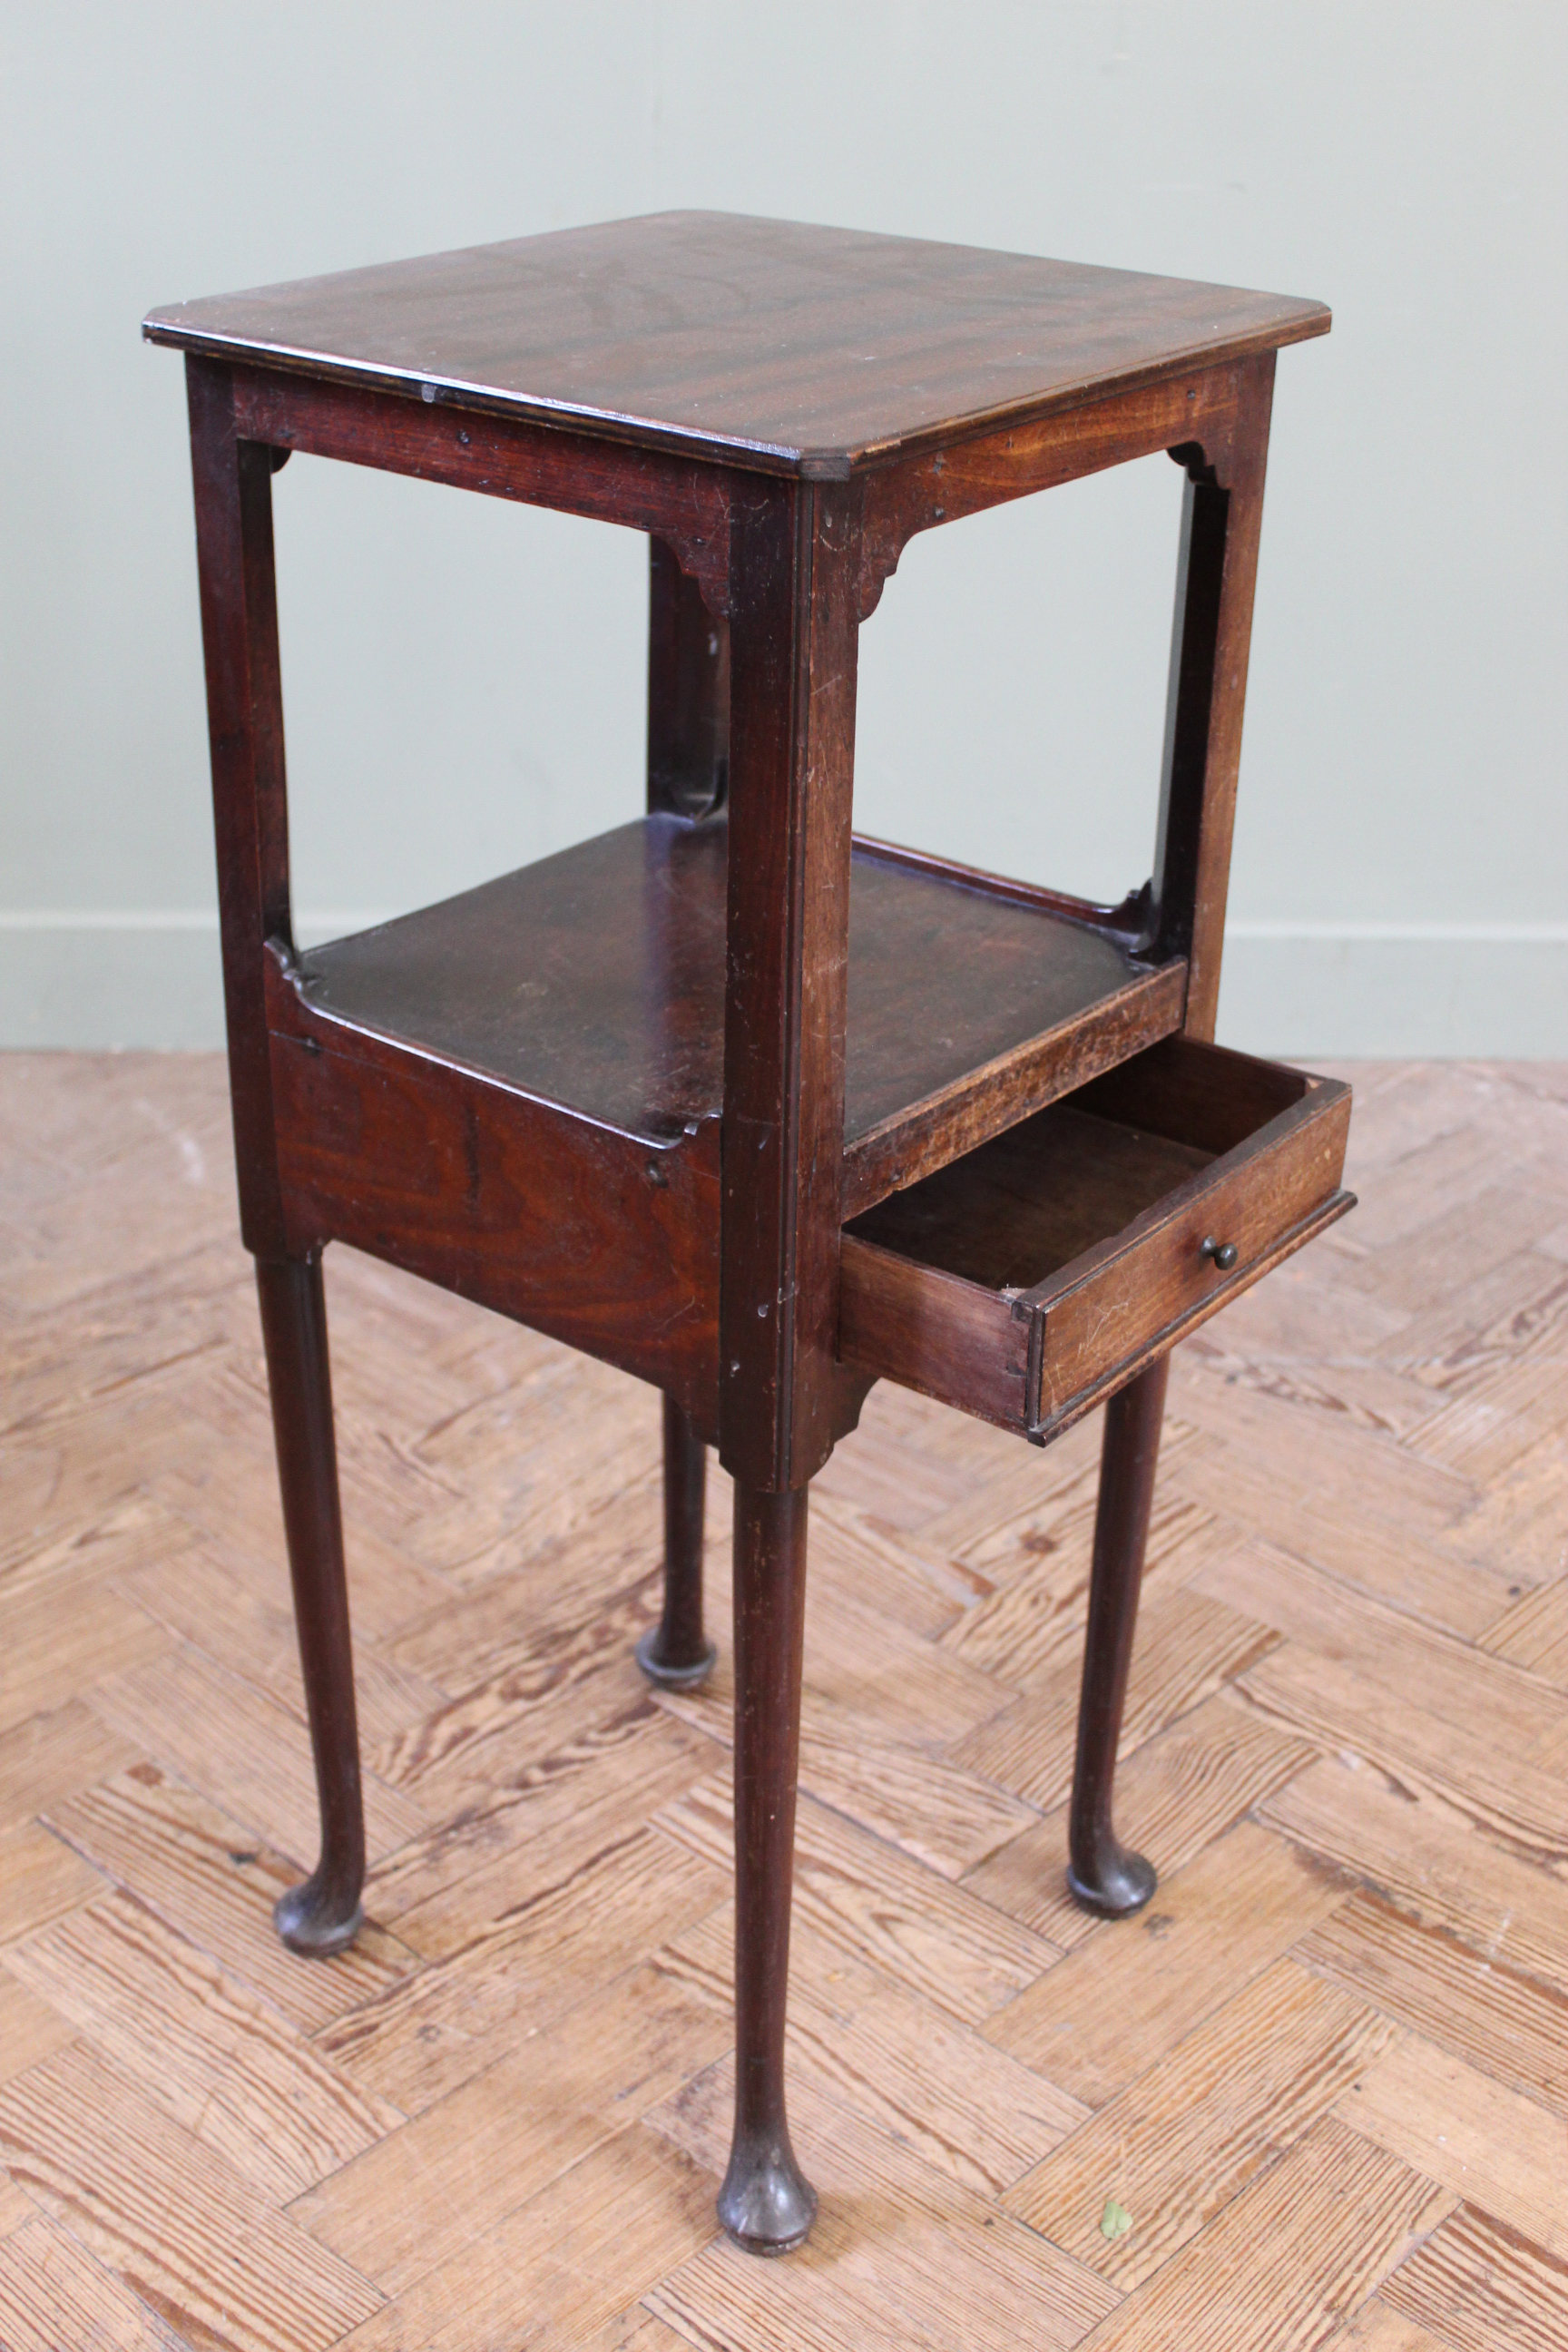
pixel 632 1095
pixel 1030 1279
pixel 1030 1200
pixel 595 979
pixel 762 341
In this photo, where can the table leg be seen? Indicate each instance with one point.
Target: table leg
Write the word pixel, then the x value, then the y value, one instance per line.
pixel 676 1652
pixel 766 2203
pixel 793 623
pixel 1105 1875
pixel 322 1914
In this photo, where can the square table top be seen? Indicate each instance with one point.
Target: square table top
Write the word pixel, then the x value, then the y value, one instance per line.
pixel 767 343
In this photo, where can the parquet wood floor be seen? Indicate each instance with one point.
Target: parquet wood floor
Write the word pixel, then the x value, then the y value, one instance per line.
pixel 1317 2096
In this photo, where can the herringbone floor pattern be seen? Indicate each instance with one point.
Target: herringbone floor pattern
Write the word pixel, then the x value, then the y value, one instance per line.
pixel 1318 2096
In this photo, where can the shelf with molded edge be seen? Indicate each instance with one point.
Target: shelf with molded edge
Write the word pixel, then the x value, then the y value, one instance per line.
pixel 595 979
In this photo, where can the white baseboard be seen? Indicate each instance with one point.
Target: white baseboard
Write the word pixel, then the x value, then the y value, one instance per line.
pixel 149 978
pixel 1485 993
pixel 129 977
pixel 97 981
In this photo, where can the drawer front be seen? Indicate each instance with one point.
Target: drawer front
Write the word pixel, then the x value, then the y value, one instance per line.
pixel 1127 1301
pixel 1034 1360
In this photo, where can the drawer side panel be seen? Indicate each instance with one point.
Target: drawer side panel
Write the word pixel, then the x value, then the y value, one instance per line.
pixel 934 1332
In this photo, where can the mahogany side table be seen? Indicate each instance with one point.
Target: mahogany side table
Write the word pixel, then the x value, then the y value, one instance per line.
pixel 755 1109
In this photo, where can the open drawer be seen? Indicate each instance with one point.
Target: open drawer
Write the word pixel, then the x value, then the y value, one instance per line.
pixel 1027 1280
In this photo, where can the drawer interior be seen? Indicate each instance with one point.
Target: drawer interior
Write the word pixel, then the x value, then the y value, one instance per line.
pixel 1016 1210
pixel 1030 1278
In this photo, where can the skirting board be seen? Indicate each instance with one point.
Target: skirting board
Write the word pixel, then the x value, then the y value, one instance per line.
pixel 1357 990
pixel 1370 991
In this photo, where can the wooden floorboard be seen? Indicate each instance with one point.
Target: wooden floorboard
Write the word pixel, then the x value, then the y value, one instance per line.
pixel 1314 2098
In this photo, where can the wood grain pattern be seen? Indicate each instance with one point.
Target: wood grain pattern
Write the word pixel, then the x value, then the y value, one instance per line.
pixel 492 1854
pixel 1535 1634
pixel 601 1239
pixel 187 2234
pixel 503 1527
pixel 210 2052
pixel 39 1877
pixel 222 1733
pixel 691 329
pixel 17 2207
pixel 1182 2141
pixel 1376 2329
pixel 519 1723
pixel 939 2088
pixel 1464 1762
pixel 1174 1795
pixel 595 2239
pixel 931 1807
pixel 1429 1861
pixel 1494 2015
pixel 47 1663
pixel 867 2275
pixel 1188 1646
pixel 852 1889
pixel 1103 2012
pixel 1290 2257
pixel 428 2189
pixel 1485 2288
pixel 250 1630
pixel 53 2293
pixel 52 1753
pixel 635 2331
pixel 581 1915
pixel 1491 2146
pixel 901 500
pixel 195 1866
pixel 30 2028
pixel 1455 1680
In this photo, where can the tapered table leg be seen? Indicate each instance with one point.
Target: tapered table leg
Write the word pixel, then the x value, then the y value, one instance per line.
pixel 322 1914
pixel 677 1652
pixel 766 2203
pixel 1105 1875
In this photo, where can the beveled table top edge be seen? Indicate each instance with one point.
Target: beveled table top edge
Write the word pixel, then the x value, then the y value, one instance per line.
pixel 1290 321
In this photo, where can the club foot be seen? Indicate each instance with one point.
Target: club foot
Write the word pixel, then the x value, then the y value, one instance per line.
pixel 766 2204
pixel 314 1923
pixel 674 1674
pixel 1121 1884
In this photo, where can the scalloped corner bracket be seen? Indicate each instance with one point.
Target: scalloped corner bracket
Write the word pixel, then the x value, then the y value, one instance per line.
pixel 1015 460
pixel 1197 465
pixel 882 542
pixel 703 552
pixel 873 577
pixel 1212 462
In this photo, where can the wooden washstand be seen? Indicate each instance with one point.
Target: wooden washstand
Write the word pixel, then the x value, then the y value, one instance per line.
pixel 787 1112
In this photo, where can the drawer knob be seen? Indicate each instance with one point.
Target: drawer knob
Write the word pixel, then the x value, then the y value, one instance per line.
pixel 1222 1253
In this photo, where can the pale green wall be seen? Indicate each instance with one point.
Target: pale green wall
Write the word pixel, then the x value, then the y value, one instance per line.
pixel 463 681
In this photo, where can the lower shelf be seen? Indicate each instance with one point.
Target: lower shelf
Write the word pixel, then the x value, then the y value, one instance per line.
pixel 1027 1280
pixel 594 981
